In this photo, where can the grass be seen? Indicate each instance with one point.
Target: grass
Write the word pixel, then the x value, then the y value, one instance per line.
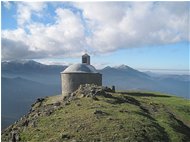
pixel 121 116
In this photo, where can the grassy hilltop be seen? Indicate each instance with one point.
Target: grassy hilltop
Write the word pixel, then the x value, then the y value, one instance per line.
pixel 95 114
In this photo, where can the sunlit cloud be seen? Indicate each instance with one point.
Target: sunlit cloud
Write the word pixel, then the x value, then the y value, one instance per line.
pixel 99 27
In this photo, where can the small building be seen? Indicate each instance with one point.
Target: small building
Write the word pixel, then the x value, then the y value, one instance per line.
pixel 75 75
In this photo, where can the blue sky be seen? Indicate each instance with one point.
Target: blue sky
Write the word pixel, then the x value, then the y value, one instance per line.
pixel 113 33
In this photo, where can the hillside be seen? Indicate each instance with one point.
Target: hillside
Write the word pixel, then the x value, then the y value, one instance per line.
pixel 95 113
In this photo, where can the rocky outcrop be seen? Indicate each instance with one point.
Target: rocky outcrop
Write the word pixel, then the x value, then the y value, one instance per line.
pixel 90 90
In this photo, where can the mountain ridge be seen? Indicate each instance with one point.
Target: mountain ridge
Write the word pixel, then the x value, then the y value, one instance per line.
pixel 23 66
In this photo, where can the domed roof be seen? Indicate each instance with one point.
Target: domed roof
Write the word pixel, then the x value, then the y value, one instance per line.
pixel 80 68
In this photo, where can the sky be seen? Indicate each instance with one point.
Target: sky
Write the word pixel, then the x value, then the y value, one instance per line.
pixel 142 35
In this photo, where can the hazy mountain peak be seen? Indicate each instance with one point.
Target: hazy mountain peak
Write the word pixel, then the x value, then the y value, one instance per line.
pixel 107 67
pixel 120 67
pixel 123 66
pixel 30 62
pixel 22 62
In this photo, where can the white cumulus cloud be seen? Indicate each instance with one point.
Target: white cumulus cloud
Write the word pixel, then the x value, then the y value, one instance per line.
pixel 6 4
pixel 64 38
pixel 102 27
pixel 26 9
pixel 135 24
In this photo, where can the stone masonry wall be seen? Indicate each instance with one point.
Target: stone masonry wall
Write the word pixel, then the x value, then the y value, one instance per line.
pixel 71 81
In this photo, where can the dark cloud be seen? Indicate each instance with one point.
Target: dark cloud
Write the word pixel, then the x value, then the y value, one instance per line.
pixel 17 50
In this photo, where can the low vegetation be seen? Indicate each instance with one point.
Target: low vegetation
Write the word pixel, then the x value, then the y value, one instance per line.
pixel 104 116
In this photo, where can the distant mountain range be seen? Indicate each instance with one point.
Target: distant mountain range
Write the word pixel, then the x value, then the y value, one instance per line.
pixel 29 66
pixel 24 81
pixel 126 78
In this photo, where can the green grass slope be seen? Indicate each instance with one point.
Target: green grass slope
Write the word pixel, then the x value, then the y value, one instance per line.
pixel 120 116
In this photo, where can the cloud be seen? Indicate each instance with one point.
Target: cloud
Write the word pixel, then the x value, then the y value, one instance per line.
pixel 52 62
pixel 15 50
pixel 64 38
pixel 26 9
pixel 101 27
pixel 135 24
pixel 7 4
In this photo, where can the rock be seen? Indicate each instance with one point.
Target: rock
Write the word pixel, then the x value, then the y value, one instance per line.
pixel 107 89
pixel 109 118
pixel 39 100
pixel 65 136
pixel 121 127
pixel 113 89
pixel 14 128
pixel 91 90
pixel 57 103
pixel 123 111
pixel 97 140
pixel 33 124
pixel 100 112
pixel 67 103
pixel 15 137
pixel 82 95
pixel 95 98
pixel 78 104
pixel 32 105
pixel 73 94
pixel 65 98
pixel 48 112
pixel 25 123
pixel 98 93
